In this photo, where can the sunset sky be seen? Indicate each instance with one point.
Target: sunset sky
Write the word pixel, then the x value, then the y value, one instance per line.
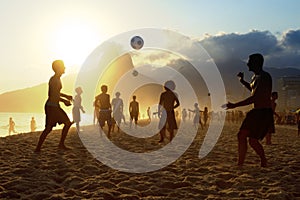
pixel 34 33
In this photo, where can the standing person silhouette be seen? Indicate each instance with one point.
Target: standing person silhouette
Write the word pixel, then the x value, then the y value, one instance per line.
pixel 184 115
pixel 205 116
pixel 134 111
pixel 11 126
pixel 96 112
pixel 258 120
pixel 274 97
pixel 149 114
pixel 117 107
pixel 197 116
pixel 168 101
pixel 54 113
pixel 103 100
pixel 298 120
pixel 32 124
pixel 77 107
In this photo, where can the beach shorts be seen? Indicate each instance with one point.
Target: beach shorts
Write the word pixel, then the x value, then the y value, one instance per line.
pixel 76 114
pixel 272 128
pixel 117 117
pixel 258 122
pixel 134 116
pixel 54 115
pixel 105 116
pixel 168 120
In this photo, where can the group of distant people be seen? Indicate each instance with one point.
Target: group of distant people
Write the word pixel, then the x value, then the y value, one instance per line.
pixel 11 125
pixel 258 123
pixel 112 112
pixel 197 116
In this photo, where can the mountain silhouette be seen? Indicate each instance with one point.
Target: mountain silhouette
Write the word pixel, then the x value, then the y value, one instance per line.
pixel 32 99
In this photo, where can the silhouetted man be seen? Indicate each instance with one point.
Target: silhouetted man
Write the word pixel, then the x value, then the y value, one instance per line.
pixel 134 111
pixel 258 120
pixel 103 100
pixel 117 107
pixel 54 113
pixel 168 101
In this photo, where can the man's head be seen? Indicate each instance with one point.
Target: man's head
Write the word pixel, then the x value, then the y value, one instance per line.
pixel 134 97
pixel 104 88
pixel 170 85
pixel 274 95
pixel 58 67
pixel 78 90
pixel 255 62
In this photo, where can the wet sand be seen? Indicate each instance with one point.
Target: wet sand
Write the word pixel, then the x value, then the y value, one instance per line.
pixel 76 174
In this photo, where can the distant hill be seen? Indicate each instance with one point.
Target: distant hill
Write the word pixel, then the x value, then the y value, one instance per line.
pixel 32 99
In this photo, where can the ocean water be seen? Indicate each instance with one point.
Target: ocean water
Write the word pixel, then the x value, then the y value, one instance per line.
pixel 22 122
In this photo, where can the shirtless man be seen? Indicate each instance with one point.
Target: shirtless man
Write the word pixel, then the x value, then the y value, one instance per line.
pixel 134 111
pixel 103 100
pixel 168 101
pixel 258 120
pixel 54 113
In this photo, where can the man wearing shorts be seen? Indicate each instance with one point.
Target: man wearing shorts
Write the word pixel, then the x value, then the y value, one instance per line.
pixel 54 113
pixel 103 100
pixel 134 111
pixel 168 101
pixel 258 120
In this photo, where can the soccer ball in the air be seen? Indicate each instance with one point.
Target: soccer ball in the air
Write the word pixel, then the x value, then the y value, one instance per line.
pixel 135 73
pixel 137 42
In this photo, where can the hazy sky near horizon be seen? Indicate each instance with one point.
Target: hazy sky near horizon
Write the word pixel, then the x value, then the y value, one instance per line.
pixel 34 33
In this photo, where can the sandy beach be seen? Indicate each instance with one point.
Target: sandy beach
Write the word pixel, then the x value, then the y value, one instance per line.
pixel 76 174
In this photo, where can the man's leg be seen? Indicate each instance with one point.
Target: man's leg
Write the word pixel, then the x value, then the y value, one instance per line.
pixel 242 146
pixel 42 138
pixel 171 134
pixel 64 134
pixel 109 124
pixel 135 121
pixel 258 148
pixel 77 127
pixel 130 123
pixel 162 133
pixel 268 139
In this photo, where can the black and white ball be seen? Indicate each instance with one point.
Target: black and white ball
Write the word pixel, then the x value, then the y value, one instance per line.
pixel 137 42
pixel 135 73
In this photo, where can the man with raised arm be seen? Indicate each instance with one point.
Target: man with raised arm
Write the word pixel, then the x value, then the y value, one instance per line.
pixel 258 120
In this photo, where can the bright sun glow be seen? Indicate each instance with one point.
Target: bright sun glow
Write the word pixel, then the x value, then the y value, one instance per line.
pixel 73 41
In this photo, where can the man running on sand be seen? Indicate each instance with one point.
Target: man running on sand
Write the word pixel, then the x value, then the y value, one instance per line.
pixel 54 113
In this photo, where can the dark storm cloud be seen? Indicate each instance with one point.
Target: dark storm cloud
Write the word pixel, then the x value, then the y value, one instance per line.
pixel 291 39
pixel 283 52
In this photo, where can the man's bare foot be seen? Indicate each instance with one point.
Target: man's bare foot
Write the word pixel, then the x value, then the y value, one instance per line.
pixel 37 150
pixel 63 147
pixel 263 163
pixel 239 165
